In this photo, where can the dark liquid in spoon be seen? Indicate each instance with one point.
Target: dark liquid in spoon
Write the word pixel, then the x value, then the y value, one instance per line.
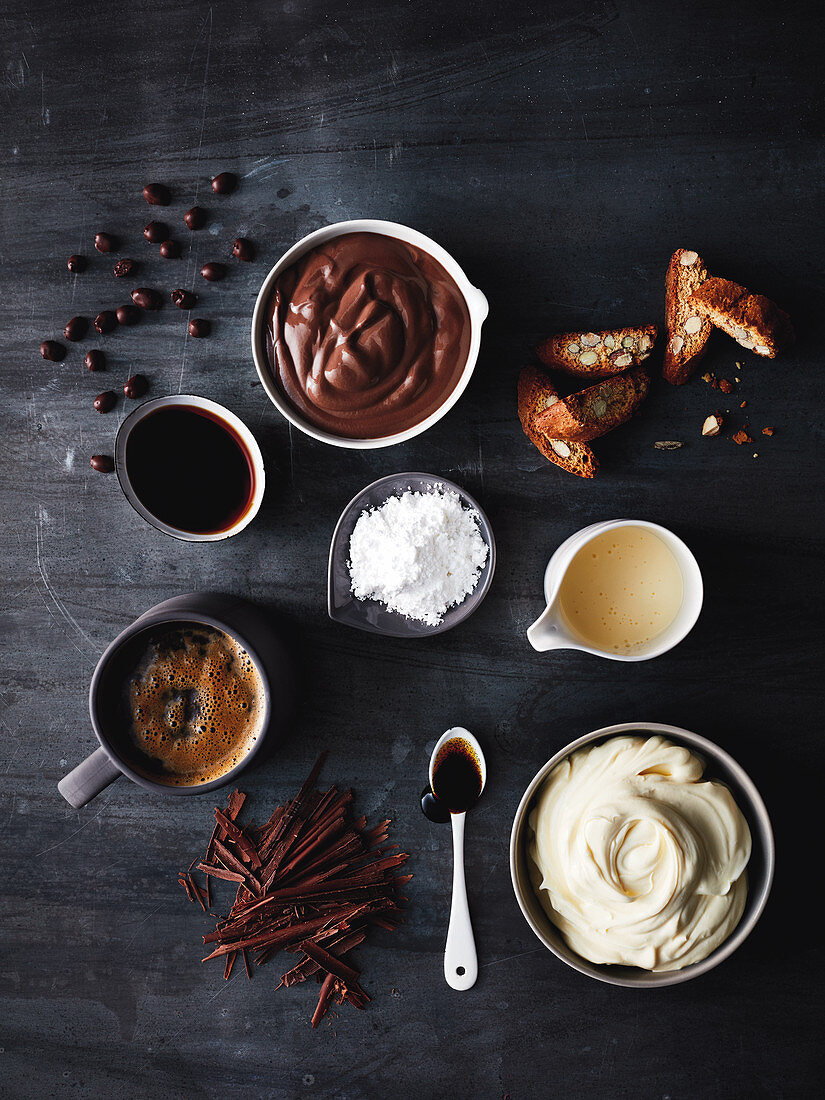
pixel 433 809
pixel 456 781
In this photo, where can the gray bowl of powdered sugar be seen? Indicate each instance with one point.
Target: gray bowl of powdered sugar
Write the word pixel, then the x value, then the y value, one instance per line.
pixel 421 561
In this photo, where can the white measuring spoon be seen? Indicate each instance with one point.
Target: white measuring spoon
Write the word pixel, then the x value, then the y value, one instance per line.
pixel 460 958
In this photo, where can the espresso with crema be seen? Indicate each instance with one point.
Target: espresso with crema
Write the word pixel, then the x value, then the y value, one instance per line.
pixel 193 703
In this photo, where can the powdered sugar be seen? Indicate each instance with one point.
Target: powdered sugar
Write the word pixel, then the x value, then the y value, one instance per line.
pixel 417 553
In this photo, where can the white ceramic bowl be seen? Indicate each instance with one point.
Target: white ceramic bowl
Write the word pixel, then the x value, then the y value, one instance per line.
pixel 550 631
pixel 476 305
pixel 250 443
pixel 719 766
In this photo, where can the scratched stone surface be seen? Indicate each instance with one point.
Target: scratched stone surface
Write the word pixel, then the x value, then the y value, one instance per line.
pixel 561 152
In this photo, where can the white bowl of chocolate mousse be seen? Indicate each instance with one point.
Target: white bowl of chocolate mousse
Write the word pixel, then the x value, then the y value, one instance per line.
pixel 370 376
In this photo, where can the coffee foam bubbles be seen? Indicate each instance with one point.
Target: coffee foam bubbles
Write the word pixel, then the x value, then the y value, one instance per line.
pixel 194 703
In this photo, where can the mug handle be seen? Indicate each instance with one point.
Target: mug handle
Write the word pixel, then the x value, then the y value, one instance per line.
pixel 88 779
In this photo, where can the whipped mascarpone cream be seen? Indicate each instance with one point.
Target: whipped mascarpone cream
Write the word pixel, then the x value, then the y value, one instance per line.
pixel 636 859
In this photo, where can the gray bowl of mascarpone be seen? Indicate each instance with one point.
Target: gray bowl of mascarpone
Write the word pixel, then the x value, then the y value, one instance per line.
pixel 720 770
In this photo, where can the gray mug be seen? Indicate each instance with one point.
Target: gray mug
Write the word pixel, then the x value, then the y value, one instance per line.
pixel 249 625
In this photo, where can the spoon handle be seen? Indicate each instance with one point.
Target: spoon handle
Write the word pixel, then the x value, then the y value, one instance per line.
pixel 460 959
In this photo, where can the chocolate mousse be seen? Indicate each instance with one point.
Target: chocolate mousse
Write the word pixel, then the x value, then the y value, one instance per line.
pixel 367 335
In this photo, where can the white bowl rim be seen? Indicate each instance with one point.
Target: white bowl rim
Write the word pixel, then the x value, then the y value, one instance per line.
pixel 666 978
pixel 476 304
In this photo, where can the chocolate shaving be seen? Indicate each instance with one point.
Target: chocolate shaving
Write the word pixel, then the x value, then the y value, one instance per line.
pixel 201 894
pixel 232 863
pixel 236 801
pixel 183 879
pixel 308 966
pixel 219 872
pixel 232 832
pixel 330 963
pixel 323 1000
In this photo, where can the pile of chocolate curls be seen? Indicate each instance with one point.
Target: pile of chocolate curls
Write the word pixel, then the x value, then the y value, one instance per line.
pixel 313 880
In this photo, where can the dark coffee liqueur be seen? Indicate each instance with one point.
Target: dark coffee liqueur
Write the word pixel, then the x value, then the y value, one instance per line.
pixel 433 809
pixel 190 470
pixel 456 782
pixel 193 704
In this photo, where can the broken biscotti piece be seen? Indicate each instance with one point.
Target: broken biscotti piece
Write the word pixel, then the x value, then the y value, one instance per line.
pixel 535 394
pixel 597 354
pixel 752 320
pixel 687 330
pixel 593 412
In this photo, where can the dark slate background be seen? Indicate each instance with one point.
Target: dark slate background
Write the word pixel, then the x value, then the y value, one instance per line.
pixel 561 152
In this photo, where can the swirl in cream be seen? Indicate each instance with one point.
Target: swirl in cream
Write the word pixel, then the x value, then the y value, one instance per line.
pixel 635 858
pixel 367 335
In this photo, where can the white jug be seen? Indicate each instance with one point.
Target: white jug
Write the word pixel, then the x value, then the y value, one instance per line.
pixel 550 631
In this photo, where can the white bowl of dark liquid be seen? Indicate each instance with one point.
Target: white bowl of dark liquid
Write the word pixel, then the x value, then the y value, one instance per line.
pixel 190 467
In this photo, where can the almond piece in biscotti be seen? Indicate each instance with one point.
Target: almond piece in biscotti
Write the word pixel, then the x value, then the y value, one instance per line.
pixel 535 394
pixel 598 354
pixel 593 412
pixel 687 330
pixel 753 320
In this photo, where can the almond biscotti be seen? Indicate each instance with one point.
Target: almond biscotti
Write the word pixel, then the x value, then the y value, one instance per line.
pixel 598 354
pixel 599 409
pixel 688 331
pixel 752 320
pixel 535 394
